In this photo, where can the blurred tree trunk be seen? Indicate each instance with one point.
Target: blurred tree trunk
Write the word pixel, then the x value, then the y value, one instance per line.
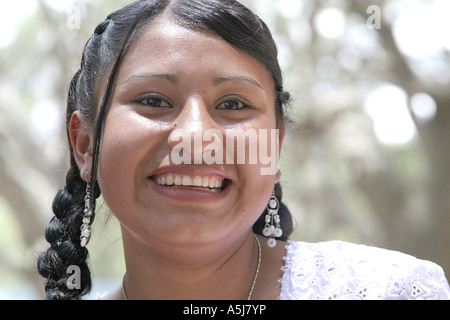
pixel 432 239
pixel 436 135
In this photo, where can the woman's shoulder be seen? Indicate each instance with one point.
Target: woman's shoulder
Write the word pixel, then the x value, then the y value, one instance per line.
pixel 343 270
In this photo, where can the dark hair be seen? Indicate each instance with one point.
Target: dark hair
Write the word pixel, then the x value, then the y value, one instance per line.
pixel 101 59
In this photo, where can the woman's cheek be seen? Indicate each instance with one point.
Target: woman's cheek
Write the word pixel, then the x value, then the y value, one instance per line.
pixel 129 144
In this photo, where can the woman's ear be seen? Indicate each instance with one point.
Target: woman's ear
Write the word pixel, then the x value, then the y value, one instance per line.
pixel 80 139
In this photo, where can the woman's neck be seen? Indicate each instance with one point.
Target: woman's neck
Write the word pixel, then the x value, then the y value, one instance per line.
pixel 223 270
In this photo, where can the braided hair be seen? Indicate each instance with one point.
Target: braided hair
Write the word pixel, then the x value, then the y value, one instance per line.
pixel 101 60
pixel 101 56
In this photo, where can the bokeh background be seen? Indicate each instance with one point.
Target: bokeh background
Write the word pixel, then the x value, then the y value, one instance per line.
pixel 366 160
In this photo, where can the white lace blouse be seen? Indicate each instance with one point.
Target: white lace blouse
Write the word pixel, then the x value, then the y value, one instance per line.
pixel 341 270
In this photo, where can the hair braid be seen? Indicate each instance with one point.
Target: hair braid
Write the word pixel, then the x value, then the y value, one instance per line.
pixel 63 230
pixel 101 56
pixel 63 234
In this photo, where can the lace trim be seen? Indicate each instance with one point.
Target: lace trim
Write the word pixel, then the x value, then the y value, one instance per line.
pixel 283 269
pixel 339 270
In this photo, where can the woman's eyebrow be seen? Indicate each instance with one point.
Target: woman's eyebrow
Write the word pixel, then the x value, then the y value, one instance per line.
pixel 171 77
pixel 221 79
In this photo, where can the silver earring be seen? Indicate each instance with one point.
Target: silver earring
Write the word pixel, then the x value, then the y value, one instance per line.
pixel 86 226
pixel 272 228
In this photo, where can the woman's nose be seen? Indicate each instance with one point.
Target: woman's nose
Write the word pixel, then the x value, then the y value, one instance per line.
pixel 188 138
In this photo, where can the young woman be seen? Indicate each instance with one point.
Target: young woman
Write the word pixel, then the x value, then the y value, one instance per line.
pixel 162 87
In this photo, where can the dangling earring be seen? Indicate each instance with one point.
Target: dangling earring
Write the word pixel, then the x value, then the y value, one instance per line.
pixel 272 227
pixel 86 227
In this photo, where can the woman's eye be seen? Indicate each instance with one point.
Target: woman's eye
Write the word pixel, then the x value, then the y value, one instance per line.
pixel 154 102
pixel 233 104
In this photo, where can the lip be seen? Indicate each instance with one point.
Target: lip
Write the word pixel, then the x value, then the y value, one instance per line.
pixel 190 193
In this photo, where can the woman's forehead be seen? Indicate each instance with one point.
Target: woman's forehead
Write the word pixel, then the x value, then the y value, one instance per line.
pixel 166 47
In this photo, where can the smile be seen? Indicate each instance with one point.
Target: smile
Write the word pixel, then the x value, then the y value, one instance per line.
pixel 209 183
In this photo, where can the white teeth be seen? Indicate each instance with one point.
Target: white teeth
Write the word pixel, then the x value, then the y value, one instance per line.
pixel 196 181
pixel 213 183
pixel 187 181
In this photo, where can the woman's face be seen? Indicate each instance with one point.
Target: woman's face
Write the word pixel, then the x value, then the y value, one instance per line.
pixel 175 87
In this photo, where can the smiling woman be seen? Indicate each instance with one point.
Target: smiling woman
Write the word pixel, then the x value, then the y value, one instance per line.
pixel 154 69
pixel 149 69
